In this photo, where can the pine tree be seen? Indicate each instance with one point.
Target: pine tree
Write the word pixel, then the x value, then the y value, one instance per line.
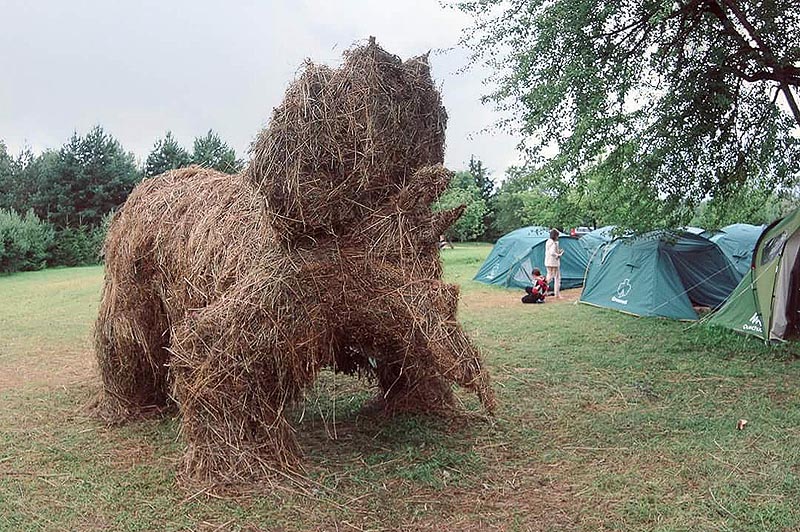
pixel 210 152
pixel 167 155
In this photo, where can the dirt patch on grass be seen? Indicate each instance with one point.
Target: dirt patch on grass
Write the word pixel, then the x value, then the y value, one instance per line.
pixel 128 453
pixel 525 500
pixel 494 299
pixel 46 368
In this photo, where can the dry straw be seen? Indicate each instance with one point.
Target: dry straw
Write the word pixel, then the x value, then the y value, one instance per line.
pixel 226 295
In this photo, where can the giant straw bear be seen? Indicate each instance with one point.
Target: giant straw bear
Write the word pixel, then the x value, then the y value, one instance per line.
pixel 227 294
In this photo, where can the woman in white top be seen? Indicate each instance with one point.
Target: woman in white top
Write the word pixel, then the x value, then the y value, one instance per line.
pixel 552 261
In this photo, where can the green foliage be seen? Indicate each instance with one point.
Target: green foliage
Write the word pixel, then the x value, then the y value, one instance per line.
pixel 167 155
pixel 6 177
pixel 746 205
pixel 463 191
pixel 481 176
pixel 211 152
pixel 79 246
pixel 76 246
pixel 609 194
pixel 32 176
pixel 485 185
pixel 24 241
pixel 681 101
pixel 88 177
pixel 19 177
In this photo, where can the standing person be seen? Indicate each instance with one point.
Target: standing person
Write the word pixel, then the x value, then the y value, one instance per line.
pixel 552 261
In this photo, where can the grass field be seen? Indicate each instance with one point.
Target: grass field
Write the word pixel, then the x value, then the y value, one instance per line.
pixel 605 422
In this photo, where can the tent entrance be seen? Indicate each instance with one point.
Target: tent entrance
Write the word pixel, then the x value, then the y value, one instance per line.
pixel 786 302
pixel 793 303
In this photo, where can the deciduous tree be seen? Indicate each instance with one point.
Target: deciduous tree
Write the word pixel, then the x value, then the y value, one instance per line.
pixel 684 99
pixel 463 191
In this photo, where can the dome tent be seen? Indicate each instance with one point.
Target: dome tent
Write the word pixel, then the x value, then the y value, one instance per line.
pixel 766 303
pixel 596 238
pixel 518 252
pixel 737 242
pixel 661 273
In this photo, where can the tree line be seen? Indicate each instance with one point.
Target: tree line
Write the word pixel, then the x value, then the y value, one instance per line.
pixel 531 196
pixel 54 206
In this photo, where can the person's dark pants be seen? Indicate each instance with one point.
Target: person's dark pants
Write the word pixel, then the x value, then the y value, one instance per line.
pixel 532 296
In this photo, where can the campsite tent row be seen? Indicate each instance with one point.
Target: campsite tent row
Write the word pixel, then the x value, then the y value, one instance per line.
pixel 667 273
pixel 514 256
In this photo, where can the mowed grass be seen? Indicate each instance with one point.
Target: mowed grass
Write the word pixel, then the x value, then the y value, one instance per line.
pixel 605 422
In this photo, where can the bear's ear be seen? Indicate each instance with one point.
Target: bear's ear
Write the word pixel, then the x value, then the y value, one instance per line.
pixel 422 60
pixel 419 66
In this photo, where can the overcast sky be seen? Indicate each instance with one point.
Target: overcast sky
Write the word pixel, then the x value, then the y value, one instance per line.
pixel 140 68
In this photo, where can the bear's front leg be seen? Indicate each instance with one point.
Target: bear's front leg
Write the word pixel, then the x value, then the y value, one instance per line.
pixel 238 365
pixel 131 334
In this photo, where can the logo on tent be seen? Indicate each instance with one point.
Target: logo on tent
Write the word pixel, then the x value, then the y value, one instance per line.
pixel 623 289
pixel 754 325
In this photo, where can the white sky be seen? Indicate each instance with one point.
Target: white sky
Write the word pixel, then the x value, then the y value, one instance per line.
pixel 140 68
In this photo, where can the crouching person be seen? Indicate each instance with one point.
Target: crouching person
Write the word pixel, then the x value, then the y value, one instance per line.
pixel 536 293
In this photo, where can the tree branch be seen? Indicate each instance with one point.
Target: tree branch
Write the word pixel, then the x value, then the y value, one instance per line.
pixel 767 58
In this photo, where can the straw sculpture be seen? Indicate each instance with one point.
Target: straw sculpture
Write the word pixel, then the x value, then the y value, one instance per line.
pixel 227 295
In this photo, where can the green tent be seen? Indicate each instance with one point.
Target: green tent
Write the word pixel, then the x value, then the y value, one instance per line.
pixel 659 274
pixel 737 242
pixel 767 300
pixel 506 251
pixel 517 253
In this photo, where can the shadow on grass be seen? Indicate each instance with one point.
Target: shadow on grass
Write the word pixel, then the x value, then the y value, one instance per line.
pixel 343 442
